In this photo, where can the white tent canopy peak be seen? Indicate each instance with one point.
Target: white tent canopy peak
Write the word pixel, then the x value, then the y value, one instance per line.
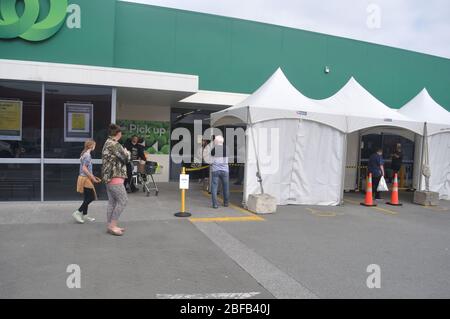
pixel 425 108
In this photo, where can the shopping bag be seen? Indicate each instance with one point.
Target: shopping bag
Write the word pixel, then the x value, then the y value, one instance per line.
pixel 382 186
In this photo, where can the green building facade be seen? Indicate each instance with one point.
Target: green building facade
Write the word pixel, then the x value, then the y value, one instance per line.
pixel 130 63
pixel 233 55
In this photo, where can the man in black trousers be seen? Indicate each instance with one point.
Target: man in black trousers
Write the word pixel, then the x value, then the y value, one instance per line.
pixel 137 153
pixel 376 167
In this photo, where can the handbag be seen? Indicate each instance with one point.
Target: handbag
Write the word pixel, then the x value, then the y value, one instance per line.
pixel 382 186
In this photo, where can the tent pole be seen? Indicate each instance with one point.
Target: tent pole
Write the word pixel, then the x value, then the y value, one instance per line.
pixel 244 191
pixel 417 155
pixel 344 165
pixel 258 171
pixel 358 163
pixel 421 158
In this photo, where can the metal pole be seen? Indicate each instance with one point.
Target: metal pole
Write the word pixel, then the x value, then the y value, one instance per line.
pixel 183 195
pixel 182 212
pixel 244 190
pixel 421 158
pixel 42 139
pixel 258 171
pixel 114 105
pixel 183 199
pixel 344 162
pixel 358 168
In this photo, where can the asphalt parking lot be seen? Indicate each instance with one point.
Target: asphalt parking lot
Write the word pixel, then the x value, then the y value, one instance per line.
pixel 299 252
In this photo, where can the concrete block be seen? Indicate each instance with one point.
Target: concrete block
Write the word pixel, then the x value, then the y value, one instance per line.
pixel 425 198
pixel 262 204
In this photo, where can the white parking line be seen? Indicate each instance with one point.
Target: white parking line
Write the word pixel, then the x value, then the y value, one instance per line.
pixel 222 295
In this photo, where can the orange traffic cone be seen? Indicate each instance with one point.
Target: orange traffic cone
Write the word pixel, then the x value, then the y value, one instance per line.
pixel 394 197
pixel 369 199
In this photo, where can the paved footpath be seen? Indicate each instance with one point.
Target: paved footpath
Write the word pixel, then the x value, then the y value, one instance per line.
pixel 300 252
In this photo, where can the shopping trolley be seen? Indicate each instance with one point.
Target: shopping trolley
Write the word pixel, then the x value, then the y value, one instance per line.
pixel 143 176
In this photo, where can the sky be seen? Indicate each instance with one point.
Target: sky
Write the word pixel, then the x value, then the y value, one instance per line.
pixel 417 25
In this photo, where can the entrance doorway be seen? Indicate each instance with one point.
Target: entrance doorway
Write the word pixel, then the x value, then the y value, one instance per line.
pixel 387 139
pixel 388 142
pixel 184 118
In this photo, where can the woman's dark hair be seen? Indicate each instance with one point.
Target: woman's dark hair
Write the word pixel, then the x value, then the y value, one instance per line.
pixel 114 129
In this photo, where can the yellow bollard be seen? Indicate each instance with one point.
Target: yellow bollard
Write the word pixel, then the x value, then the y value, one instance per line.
pixel 184 184
pixel 183 195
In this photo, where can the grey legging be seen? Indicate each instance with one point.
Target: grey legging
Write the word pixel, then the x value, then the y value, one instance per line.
pixel 117 200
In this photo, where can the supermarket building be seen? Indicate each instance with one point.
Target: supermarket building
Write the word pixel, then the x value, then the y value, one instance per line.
pixel 153 69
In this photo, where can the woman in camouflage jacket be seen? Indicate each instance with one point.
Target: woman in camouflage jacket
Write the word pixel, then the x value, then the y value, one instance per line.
pixel 114 172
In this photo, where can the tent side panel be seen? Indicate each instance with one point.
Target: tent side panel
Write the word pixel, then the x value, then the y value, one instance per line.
pixel 439 148
pixel 317 172
pixel 351 170
pixel 275 142
pixel 418 140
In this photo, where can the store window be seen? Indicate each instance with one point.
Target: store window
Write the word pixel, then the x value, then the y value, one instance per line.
pixel 60 182
pixel 20 182
pixel 20 119
pixel 74 113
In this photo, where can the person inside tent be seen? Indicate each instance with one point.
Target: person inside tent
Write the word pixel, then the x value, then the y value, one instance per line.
pixel 376 168
pixel 397 158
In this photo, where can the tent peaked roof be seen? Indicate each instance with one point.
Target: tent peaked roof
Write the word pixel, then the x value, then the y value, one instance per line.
pixel 277 98
pixel 354 100
pixel 363 110
pixel 276 91
pixel 423 107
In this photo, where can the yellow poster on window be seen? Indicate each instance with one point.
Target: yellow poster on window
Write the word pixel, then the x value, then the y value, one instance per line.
pixel 10 115
pixel 10 120
pixel 79 121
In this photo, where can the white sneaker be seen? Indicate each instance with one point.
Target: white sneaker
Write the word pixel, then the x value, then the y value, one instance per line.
pixel 78 217
pixel 88 218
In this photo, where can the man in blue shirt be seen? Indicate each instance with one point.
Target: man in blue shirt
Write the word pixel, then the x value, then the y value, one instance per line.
pixel 376 167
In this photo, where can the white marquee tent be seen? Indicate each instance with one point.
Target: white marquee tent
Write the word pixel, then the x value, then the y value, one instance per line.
pixel 424 108
pixel 277 98
pixel 299 144
pixel 303 160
